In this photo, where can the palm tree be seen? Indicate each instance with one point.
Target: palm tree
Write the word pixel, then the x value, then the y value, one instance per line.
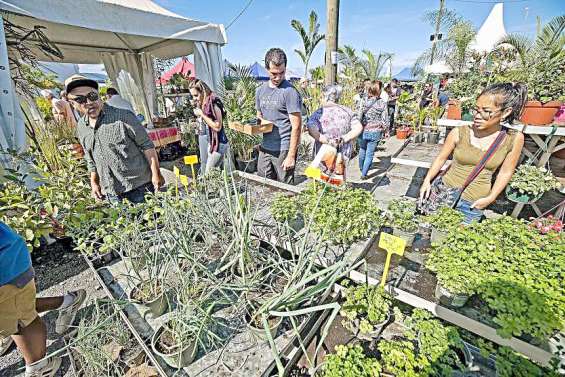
pixel 373 65
pixel 550 40
pixel 310 38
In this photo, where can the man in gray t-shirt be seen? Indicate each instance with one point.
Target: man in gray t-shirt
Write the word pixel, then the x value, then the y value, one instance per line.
pixel 279 102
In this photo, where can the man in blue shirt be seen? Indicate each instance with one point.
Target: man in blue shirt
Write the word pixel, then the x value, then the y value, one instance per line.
pixel 19 308
pixel 278 102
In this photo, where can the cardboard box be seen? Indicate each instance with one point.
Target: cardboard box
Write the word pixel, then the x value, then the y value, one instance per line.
pixel 252 129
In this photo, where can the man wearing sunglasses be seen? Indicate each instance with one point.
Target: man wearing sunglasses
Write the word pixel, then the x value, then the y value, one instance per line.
pixel 121 159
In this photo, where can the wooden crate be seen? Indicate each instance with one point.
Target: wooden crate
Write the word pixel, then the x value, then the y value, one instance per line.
pixel 252 129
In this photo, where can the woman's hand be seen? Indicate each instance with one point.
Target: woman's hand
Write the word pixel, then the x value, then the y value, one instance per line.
pixel 198 112
pixel 425 190
pixel 482 203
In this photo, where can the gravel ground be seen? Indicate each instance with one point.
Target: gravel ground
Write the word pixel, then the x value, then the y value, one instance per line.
pixel 58 270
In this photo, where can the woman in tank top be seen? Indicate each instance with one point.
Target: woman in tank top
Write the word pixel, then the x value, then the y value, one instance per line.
pixel 496 104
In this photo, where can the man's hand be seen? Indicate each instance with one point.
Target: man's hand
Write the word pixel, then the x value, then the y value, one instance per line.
pixel 288 163
pixel 157 180
pixel 96 190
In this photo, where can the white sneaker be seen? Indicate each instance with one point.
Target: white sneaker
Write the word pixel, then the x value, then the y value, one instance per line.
pixel 67 315
pixel 5 344
pixel 48 370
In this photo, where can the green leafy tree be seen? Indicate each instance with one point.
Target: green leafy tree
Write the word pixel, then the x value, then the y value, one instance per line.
pixel 310 38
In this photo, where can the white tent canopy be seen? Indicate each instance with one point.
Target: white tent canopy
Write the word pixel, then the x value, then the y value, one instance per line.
pixel 123 34
pixel 491 31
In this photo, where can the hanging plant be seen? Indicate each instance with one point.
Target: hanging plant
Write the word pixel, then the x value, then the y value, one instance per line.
pixel 533 181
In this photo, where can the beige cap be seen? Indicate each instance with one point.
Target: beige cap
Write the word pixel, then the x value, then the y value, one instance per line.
pixel 75 81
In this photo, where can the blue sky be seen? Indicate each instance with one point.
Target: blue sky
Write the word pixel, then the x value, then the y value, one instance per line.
pixel 394 26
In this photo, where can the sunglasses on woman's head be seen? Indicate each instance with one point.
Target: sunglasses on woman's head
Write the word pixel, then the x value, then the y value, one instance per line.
pixel 92 96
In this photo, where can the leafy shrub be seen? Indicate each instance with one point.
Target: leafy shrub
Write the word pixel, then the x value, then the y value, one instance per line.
pixel 284 208
pixel 369 304
pixel 350 361
pixel 534 181
pixel 45 108
pixel 402 214
pixel 445 219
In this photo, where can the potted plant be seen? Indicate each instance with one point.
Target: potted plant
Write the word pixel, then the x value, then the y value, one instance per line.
pixel 547 224
pixel 254 315
pixel 529 183
pixel 350 360
pixel 402 216
pixel 366 310
pixel 176 341
pixel 443 221
pixel 432 136
pixel 540 66
pixel 419 120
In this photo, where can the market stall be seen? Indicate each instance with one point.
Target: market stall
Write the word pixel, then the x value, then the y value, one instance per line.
pixel 96 32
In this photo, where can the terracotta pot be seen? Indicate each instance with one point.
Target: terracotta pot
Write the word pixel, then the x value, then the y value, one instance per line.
pixel 538 114
pixel 402 133
pixel 454 109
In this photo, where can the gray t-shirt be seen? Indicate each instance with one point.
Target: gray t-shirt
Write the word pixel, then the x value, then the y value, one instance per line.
pixel 276 104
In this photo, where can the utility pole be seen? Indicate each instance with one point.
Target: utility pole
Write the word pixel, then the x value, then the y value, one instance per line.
pixel 438 24
pixel 331 41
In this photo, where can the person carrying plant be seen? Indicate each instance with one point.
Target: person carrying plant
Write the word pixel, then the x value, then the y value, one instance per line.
pixel 278 102
pixel 121 159
pixel 19 307
pixel 478 151
pixel 374 118
pixel 334 124
pixel 209 111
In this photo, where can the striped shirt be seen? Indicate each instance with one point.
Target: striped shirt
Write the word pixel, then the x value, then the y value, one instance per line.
pixel 114 149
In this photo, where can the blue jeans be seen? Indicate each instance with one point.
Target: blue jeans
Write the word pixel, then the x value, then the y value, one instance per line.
pixel 137 195
pixel 471 214
pixel 368 142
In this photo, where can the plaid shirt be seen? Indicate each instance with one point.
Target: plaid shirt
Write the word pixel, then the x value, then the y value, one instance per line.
pixel 114 149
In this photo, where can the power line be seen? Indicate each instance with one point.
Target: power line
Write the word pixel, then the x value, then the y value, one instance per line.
pixel 239 14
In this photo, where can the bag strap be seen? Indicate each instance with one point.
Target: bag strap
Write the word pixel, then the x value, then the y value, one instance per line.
pixel 486 157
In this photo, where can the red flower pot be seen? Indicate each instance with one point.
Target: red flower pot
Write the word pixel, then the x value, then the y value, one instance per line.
pixel 538 114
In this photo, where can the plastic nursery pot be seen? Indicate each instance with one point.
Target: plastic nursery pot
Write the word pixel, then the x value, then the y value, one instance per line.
pixel 406 236
pixel 448 298
pixel 437 235
pixel 454 109
pixel 516 197
pixel 538 114
pixel 402 133
pixel 155 307
pixel 247 166
pixel 418 137
pixel 432 137
pixel 258 333
pixel 176 358
pixel 377 329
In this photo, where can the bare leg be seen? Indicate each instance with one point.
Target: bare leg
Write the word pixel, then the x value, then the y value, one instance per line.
pixel 32 341
pixel 45 304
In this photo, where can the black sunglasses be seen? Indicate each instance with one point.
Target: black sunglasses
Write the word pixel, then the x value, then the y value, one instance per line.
pixel 92 96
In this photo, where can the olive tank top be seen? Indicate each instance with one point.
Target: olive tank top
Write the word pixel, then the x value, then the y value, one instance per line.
pixel 466 156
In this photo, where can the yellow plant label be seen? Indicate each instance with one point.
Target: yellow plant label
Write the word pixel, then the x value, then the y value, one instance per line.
pixel 184 180
pixel 190 160
pixel 176 171
pixel 313 173
pixel 392 244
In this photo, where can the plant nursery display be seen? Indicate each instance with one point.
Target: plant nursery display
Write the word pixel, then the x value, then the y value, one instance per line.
pixel 547 224
pixel 339 215
pixel 366 309
pixel 516 271
pixel 529 183
pixel 444 220
pixel 401 215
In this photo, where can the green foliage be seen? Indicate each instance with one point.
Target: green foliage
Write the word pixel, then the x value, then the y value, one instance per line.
pixel 511 364
pixel 284 208
pixel 534 181
pixel 401 214
pixel 45 108
pixel 340 215
pixel 445 219
pixel 20 209
pixel 427 348
pixel 37 78
pixel 370 305
pixel 350 361
pixel 484 257
pixel 310 38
